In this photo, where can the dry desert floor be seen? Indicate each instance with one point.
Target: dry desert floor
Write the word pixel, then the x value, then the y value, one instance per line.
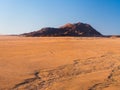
pixel 59 63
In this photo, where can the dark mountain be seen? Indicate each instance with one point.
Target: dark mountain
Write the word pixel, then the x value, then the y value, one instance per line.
pixel 77 29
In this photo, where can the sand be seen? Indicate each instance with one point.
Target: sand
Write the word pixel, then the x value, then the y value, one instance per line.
pixel 59 63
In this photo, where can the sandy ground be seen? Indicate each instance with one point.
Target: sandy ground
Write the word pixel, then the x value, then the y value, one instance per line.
pixel 57 63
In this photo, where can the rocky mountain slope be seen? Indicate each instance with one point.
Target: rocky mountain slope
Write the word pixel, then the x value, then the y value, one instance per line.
pixel 77 29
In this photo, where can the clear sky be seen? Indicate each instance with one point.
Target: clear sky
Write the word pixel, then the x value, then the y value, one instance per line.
pixel 20 16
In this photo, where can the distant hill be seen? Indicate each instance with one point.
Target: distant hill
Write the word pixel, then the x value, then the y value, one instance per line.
pixel 77 29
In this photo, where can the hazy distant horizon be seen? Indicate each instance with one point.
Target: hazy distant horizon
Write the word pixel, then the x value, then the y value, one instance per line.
pixel 22 16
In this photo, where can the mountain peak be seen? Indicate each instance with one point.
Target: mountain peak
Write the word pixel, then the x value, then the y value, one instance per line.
pixel 76 29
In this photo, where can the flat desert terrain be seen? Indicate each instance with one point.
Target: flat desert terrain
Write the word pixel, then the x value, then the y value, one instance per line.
pixel 59 63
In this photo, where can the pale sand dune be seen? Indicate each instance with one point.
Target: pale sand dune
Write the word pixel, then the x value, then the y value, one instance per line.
pixel 59 63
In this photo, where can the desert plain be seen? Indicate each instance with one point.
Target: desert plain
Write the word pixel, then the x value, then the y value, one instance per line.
pixel 59 63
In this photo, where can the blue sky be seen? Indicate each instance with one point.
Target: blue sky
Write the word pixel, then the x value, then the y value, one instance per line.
pixel 20 16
